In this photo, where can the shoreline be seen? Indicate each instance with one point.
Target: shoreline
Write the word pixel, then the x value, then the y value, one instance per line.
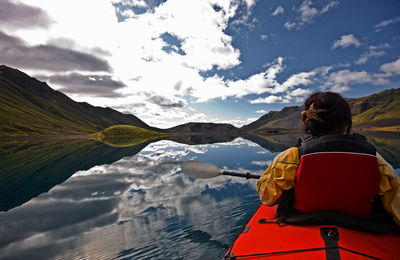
pixel 363 131
pixel 46 137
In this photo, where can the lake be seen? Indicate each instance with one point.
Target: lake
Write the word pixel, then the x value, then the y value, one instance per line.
pixel 83 199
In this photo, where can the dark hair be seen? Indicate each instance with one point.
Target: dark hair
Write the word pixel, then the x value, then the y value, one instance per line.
pixel 332 112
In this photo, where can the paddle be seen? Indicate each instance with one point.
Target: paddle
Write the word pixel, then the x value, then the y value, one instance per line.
pixel 204 170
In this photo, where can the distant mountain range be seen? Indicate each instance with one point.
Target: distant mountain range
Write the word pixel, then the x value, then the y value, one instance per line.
pixel 205 128
pixel 31 107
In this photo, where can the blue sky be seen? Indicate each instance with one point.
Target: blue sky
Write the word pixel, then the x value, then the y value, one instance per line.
pixel 174 61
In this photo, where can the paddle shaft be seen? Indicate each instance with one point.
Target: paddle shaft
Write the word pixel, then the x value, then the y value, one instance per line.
pixel 246 175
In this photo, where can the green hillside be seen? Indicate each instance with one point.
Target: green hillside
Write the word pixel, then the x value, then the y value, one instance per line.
pixel 382 108
pixel 127 135
pixel 31 107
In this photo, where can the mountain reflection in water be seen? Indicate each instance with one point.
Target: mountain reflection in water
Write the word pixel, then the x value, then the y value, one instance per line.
pixel 31 168
pixel 82 199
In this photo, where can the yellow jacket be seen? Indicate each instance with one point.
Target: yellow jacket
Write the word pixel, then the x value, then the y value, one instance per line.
pixel 280 176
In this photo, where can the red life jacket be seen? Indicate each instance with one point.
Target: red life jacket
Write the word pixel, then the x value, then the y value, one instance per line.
pixel 337 173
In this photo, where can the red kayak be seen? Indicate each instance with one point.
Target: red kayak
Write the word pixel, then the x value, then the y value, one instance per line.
pixel 264 238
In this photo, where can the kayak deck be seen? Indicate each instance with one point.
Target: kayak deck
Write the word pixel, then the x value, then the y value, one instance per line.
pixel 263 238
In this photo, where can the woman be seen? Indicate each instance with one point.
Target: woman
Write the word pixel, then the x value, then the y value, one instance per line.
pixel 332 169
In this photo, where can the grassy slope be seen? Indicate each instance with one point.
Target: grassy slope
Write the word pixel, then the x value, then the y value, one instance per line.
pixel 377 107
pixel 23 116
pixel 127 135
pixel 29 107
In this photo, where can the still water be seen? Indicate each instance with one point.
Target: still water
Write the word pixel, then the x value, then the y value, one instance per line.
pixel 88 200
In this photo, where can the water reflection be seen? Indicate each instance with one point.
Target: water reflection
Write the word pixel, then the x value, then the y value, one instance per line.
pixel 130 203
pixel 140 206
pixel 388 145
pixel 31 168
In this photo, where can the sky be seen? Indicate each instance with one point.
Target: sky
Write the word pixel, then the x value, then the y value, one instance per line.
pixel 227 61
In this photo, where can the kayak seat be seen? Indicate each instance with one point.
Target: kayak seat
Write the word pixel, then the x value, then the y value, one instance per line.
pixel 336 188
pixel 344 182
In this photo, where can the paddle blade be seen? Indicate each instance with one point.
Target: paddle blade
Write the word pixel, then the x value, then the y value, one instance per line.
pixel 200 170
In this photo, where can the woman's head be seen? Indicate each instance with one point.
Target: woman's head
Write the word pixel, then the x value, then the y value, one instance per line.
pixel 326 113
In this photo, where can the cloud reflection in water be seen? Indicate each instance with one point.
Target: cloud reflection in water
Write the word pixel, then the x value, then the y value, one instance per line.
pixel 139 207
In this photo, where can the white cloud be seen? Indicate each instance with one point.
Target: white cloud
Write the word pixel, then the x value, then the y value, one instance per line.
pixel 264 82
pixel 329 6
pixel 216 87
pixel 278 10
pixel 135 3
pixel 302 78
pixel 269 100
pixel 264 37
pixel 380 26
pixel 307 12
pixel 290 25
pixel 262 111
pixel 148 27
pixel 244 19
pixel 346 41
pixel 380 46
pixel 374 51
pixel 135 49
pixel 300 92
pixel 339 81
pixel 250 3
pixel 392 68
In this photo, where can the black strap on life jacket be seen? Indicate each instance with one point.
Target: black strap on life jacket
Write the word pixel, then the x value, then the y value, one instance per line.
pixel 354 143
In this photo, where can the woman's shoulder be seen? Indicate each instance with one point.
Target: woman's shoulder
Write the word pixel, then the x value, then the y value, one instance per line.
pixel 290 154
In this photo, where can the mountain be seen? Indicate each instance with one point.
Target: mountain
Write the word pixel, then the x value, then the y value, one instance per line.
pixel 379 111
pixel 287 118
pixel 31 107
pixel 203 133
pixel 203 128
